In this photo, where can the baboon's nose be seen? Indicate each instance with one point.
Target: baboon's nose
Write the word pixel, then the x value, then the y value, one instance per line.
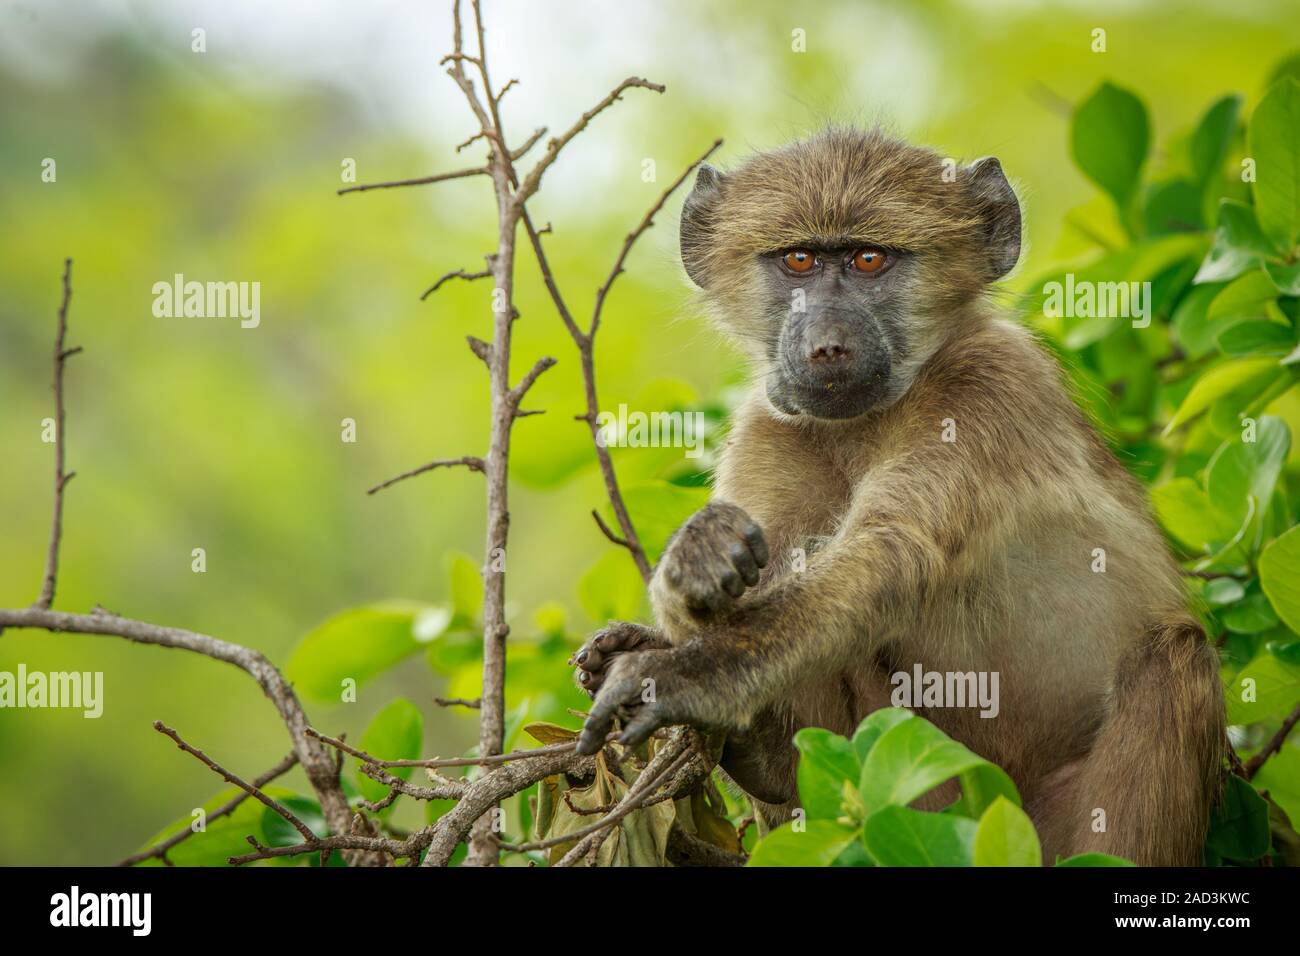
pixel 828 348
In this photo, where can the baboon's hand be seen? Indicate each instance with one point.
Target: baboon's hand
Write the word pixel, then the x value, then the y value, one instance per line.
pixel 709 563
pixel 593 659
pixel 646 689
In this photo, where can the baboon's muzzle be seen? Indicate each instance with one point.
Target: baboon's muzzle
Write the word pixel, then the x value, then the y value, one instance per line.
pixel 831 362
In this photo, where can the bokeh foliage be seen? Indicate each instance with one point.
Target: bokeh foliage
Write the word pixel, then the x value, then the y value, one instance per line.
pixel 190 433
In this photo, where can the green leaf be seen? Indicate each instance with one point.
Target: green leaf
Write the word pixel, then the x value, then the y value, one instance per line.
pixel 1109 138
pixel 1238 244
pixel 1279 576
pixel 1245 298
pixel 1274 144
pixel 899 836
pixel 875 724
pixel 222 837
pixel 1173 206
pixel 818 844
pixel 360 643
pixel 1091 329
pixel 1185 511
pixel 1239 825
pixel 1241 469
pixel 1222 591
pixel 1274 684
pixel 1252 615
pixel 395 733
pixel 1280 776
pixel 1006 837
pixel 1287 66
pixel 1284 276
pixel 1095 859
pixel 280 832
pixel 827 762
pixel 1213 136
pixel 1191 320
pixel 612 589
pixel 913 757
pixel 1257 338
pixel 1241 226
pixel 1219 381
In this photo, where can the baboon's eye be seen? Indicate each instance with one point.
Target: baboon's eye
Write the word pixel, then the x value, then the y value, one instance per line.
pixel 799 260
pixel 869 259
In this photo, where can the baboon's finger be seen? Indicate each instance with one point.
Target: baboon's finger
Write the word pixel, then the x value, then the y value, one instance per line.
pixel 602 714
pixel 640 727
pixel 757 544
pixel 745 561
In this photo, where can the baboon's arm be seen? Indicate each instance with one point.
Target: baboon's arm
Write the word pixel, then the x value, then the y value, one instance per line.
pixel 907 519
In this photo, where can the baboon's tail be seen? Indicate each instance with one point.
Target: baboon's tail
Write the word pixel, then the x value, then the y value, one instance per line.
pixel 1154 769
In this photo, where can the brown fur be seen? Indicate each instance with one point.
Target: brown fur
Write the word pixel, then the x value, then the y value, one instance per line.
pixel 973 555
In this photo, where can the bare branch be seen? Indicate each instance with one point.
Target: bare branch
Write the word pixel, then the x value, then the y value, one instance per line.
pixel 159 850
pixel 519 152
pixel 458 702
pixel 607 531
pixel 506 89
pixel 1274 744
pixel 421 181
pixel 347 841
pixel 469 461
pixel 480 348
pixel 469 142
pixel 459 274
pixel 490 789
pixel 248 788
pixel 459 58
pixel 457 71
pixel 61 478
pixel 519 391
pixel 446 789
pixel 548 279
pixel 534 178
pixel 646 222
pixel 438 762
pixel 585 341
pixel 315 759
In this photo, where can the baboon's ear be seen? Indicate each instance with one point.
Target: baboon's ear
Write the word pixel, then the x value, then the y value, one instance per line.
pixel 1000 211
pixel 697 220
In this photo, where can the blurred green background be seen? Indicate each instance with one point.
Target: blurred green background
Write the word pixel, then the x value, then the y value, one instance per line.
pixel 223 165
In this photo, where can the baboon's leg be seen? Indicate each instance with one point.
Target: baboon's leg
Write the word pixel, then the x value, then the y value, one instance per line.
pixel 763 761
pixel 1145 789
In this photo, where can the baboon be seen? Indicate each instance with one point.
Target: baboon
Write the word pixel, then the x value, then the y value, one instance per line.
pixel 908 482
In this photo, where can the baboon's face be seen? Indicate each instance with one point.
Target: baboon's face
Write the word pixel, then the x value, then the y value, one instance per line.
pixel 841 262
pixel 842 328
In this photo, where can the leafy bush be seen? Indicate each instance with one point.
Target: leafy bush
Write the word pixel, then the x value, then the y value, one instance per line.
pixel 854 797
